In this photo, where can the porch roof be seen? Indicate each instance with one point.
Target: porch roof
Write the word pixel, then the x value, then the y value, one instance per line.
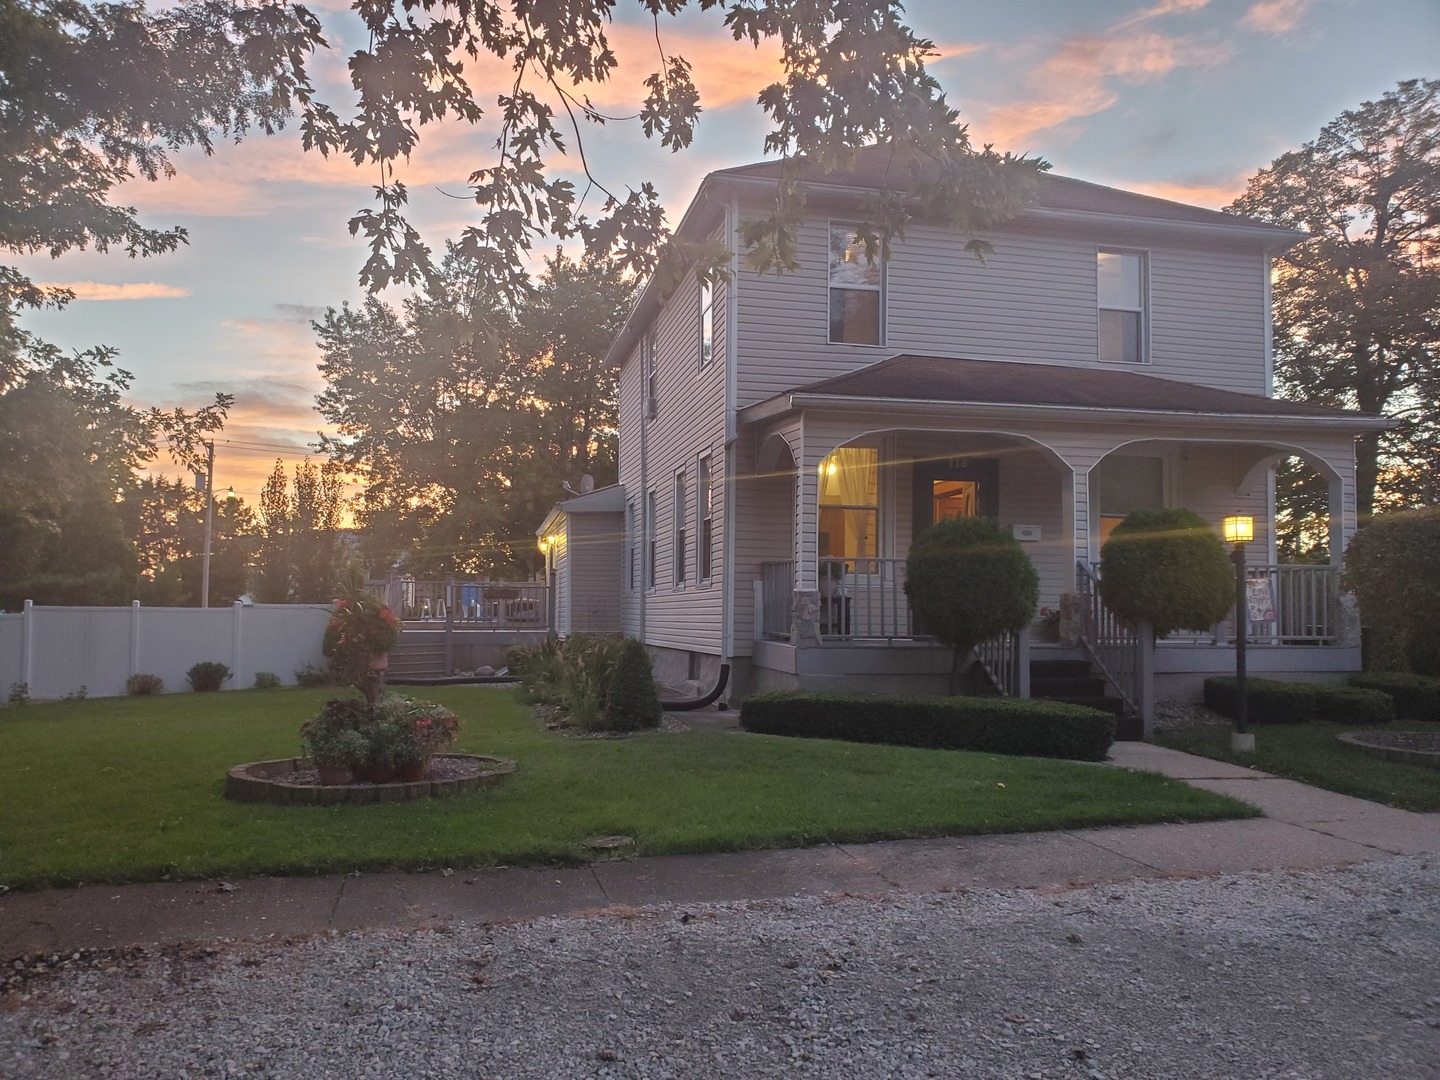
pixel 931 381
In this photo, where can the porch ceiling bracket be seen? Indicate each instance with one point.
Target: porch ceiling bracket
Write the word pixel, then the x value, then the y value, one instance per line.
pixel 1255 477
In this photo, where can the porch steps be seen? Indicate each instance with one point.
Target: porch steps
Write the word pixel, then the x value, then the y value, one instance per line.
pixel 418 658
pixel 1076 683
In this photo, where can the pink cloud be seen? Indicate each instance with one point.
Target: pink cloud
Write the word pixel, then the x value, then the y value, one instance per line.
pixel 133 290
pixel 1275 16
pixel 1077 80
pixel 1200 193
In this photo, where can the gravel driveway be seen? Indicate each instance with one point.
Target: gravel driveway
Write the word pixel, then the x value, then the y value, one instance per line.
pixel 1281 975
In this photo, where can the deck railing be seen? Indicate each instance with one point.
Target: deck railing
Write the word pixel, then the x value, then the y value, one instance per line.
pixel 1303 600
pixel 496 605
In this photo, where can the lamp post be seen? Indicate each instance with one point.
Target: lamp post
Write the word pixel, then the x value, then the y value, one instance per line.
pixel 1240 530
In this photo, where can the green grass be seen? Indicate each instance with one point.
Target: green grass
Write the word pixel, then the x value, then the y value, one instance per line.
pixel 129 789
pixel 1311 752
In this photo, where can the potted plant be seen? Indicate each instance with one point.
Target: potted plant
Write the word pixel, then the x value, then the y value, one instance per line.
pixel 335 740
pixel 1049 629
pixel 360 634
pixel 411 732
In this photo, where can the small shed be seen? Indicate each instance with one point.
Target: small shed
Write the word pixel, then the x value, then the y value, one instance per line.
pixel 583 539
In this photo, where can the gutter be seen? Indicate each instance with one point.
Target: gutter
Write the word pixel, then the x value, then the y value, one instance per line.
pixel 795 402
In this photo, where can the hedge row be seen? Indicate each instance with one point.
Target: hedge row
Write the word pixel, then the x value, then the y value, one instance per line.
pixel 1416 697
pixel 992 725
pixel 1271 702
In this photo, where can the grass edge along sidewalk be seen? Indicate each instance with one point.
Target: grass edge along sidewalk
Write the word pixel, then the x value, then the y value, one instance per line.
pixel 129 789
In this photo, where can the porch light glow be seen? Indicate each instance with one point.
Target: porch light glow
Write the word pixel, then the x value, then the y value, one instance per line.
pixel 544 544
pixel 1239 529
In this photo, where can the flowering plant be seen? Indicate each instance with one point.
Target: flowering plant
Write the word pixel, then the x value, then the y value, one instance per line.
pixel 360 626
pixel 409 729
pixel 1050 617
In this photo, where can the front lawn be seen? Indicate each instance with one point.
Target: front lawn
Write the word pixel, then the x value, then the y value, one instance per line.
pixel 129 789
pixel 1311 753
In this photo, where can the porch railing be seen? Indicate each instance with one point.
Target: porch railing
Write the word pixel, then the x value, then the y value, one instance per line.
pixel 469 604
pixel 1116 650
pixel 864 599
pixel 777 583
pixel 1304 600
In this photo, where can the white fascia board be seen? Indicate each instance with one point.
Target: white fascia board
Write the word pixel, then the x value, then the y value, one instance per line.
pixel 787 403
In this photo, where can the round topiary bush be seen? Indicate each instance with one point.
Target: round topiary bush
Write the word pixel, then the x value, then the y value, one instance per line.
pixel 1167 568
pixel 967 580
pixel 631 702
pixel 1391 567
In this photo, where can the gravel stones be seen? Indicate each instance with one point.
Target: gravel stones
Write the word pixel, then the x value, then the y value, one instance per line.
pixel 1276 975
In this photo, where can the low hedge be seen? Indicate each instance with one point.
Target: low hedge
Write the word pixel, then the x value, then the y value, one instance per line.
pixel 1268 701
pixel 1030 727
pixel 1416 697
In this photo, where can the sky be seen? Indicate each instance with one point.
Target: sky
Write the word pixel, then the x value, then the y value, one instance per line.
pixel 1183 99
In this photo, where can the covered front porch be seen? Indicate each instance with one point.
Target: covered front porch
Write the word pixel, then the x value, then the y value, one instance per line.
pixel 841 486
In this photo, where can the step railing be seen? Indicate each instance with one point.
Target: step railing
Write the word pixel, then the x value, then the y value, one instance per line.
pixel 1121 654
pixel 1006 660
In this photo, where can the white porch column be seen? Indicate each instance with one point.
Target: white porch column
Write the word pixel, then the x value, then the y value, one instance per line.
pixel 1075 497
pixel 807 500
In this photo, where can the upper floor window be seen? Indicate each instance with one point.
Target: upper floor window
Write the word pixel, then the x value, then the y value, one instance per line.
pixel 678 525
pixel 652 381
pixel 857 292
pixel 1120 282
pixel 704 518
pixel 707 321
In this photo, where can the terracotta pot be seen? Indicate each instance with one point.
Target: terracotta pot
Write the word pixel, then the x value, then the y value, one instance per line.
pixel 380 661
pixel 377 772
pixel 410 771
pixel 334 774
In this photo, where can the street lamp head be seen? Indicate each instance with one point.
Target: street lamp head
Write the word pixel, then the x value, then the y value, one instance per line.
pixel 1239 529
pixel 230 493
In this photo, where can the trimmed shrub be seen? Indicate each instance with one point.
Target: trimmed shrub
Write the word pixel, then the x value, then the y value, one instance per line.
pixel 1416 697
pixel 1352 705
pixel 1030 727
pixel 1167 568
pixel 206 676
pixel 631 703
pixel 967 580
pixel 142 684
pixel 312 675
pixel 1266 700
pixel 1271 702
pixel 266 680
pixel 1390 565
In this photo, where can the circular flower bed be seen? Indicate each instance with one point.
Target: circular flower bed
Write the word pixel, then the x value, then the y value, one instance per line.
pixel 1411 747
pixel 295 781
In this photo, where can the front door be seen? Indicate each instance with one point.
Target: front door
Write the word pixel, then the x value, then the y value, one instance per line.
pixel 955 487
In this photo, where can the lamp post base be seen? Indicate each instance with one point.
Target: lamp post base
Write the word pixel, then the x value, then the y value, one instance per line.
pixel 1242 744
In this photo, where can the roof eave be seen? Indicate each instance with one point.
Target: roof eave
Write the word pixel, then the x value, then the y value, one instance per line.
pixel 795 402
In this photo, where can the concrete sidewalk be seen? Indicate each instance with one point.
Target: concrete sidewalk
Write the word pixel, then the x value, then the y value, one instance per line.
pixel 1304 828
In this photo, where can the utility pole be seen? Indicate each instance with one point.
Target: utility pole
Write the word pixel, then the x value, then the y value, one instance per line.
pixel 209 521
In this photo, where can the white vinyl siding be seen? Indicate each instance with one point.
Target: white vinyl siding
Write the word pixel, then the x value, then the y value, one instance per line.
pixel 593 606
pixel 1033 300
pixel 690 423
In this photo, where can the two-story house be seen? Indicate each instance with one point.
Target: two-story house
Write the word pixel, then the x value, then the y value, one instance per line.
pixel 783 437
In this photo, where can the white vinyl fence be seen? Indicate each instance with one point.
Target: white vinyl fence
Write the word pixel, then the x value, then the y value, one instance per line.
pixel 56 651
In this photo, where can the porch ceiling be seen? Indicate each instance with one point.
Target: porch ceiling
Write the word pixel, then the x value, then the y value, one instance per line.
pixel 930 383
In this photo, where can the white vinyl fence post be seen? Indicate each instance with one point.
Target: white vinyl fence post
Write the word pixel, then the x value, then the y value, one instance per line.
pixel 134 637
pixel 27 645
pixel 237 642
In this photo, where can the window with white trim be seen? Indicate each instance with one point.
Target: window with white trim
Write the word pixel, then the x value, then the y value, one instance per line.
pixel 651 541
pixel 707 321
pixel 1120 296
pixel 704 518
pixel 850 503
pixel 632 527
pixel 652 381
pixel 677 523
pixel 857 291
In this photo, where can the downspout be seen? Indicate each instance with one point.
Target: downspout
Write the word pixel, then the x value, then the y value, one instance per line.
pixel 644 483
pixel 727 557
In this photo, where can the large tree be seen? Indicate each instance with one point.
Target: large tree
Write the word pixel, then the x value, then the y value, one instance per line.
pixel 465 417
pixel 94 93
pixel 1357 304
pixel 300 555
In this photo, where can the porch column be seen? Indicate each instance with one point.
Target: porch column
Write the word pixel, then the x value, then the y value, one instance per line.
pixel 807 530
pixel 1075 508
pixel 1343 522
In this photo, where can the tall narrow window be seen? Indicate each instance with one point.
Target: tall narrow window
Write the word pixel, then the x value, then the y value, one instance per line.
pixel 634 545
pixel 707 321
pixel 704 507
pixel 651 542
pixel 850 502
pixel 652 382
pixel 856 290
pixel 1120 281
pixel 678 525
